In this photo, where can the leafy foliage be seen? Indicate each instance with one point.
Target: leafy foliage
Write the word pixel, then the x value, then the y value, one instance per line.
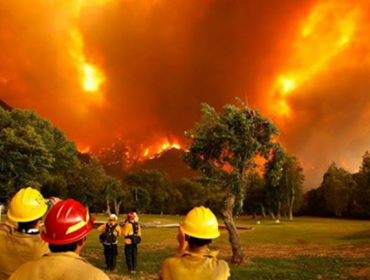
pixel 224 146
pixel 32 151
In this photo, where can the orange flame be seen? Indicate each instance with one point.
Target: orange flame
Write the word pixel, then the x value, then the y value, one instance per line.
pixel 324 34
pixel 161 147
pixel 91 77
pixel 85 150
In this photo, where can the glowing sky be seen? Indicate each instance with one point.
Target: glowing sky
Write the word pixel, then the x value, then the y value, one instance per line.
pixel 102 69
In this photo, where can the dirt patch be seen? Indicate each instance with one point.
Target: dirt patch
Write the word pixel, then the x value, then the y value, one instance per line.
pixel 140 275
pixel 347 251
pixel 363 273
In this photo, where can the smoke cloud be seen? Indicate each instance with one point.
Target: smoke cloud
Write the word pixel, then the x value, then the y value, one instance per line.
pixel 162 58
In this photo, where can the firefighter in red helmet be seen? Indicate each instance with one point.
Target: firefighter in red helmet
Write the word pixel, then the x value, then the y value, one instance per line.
pixel 66 227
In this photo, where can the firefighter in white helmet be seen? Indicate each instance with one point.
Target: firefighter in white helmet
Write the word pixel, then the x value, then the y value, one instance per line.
pixel 110 232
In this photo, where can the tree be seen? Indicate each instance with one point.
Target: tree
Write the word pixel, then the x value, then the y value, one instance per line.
pixel 255 199
pixel 32 152
pixel 336 188
pixel 361 195
pixel 87 184
pixel 64 152
pixel 193 193
pixel 273 174
pixel 284 181
pixel 157 186
pixel 55 186
pixel 24 157
pixel 114 192
pixel 291 182
pixel 314 203
pixel 223 147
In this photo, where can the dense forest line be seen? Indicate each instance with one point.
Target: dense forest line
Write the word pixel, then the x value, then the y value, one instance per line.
pixel 35 153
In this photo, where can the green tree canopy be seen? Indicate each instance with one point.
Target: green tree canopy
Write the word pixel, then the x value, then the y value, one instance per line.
pixel 336 188
pixel 224 147
pixel 31 150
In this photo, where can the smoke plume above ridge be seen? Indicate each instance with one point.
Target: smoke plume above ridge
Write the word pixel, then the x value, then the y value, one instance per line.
pixel 304 64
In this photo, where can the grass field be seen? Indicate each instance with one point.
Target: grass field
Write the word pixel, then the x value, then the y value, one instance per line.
pixel 308 248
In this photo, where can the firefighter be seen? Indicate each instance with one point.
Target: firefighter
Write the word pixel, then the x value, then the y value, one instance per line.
pixel 195 261
pixel 109 238
pixel 66 227
pixel 20 236
pixel 132 233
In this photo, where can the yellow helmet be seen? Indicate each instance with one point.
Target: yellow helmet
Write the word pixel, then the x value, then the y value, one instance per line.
pixel 201 223
pixel 27 205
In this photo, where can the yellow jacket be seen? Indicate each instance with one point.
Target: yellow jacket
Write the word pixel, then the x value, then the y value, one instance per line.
pixel 16 248
pixel 117 230
pixel 192 266
pixel 58 266
pixel 128 230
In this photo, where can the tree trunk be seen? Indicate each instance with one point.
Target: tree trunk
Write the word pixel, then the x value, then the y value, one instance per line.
pixel 108 208
pixel 263 212
pixel 234 238
pixel 291 206
pixel 271 214
pixel 279 210
pixel 117 205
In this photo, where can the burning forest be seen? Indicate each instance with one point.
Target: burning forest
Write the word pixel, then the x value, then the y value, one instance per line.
pixel 104 70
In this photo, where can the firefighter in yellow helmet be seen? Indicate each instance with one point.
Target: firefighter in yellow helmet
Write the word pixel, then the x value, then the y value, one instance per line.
pixel 195 261
pixel 20 237
pixel 65 230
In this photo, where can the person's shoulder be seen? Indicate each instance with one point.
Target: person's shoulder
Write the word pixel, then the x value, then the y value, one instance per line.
pixel 222 267
pixel 170 261
pixel 223 263
pixel 24 270
pixel 89 271
pixel 97 274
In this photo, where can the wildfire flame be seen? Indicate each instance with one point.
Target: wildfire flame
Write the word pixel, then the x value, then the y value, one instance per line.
pixel 90 75
pixel 85 150
pixel 163 146
pixel 324 35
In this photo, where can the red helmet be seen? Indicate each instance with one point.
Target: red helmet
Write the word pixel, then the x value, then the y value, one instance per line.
pixel 67 222
pixel 131 216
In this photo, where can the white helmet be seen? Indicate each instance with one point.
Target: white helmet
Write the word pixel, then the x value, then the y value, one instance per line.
pixel 113 217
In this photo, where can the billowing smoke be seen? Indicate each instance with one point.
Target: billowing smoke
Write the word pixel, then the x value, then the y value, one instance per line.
pixel 162 58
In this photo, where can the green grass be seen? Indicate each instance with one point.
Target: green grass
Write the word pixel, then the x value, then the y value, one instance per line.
pixel 308 248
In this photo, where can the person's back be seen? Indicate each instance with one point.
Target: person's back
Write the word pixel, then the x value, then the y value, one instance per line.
pixel 18 248
pixel 22 243
pixel 192 266
pixel 66 227
pixel 196 233
pixel 58 266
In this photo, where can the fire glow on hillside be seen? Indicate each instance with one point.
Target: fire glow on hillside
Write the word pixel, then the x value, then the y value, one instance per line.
pixel 105 69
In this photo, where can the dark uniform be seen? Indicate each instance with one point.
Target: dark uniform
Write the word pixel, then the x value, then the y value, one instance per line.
pixel 111 249
pixel 130 247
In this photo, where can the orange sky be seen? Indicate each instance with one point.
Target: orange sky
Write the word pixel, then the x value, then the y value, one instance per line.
pixel 102 69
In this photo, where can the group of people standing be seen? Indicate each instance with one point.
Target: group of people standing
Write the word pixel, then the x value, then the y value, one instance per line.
pixel 29 252
pixel 111 231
